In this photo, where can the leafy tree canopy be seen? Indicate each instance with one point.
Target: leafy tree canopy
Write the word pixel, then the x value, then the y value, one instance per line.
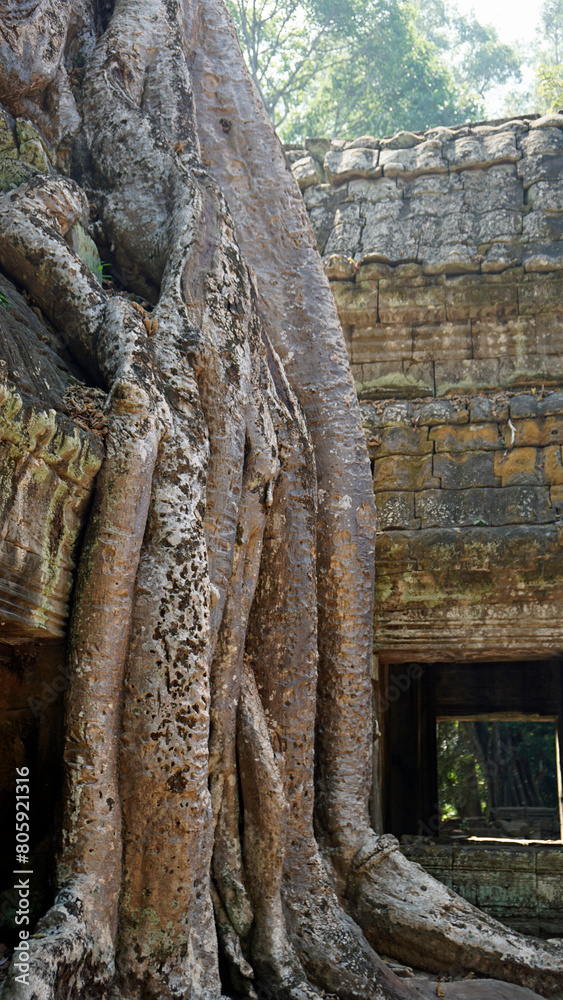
pixel 347 67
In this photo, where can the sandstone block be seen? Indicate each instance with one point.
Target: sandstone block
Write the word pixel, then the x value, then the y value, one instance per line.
pixel 546 196
pixel 462 470
pixel 551 403
pixel 451 507
pixel 403 472
pixel 398 412
pixel 466 437
pixel 520 505
pixel 426 157
pixel 387 233
pixel 482 150
pixel 492 189
pixel 505 338
pixel 525 405
pixel 440 411
pixel 339 267
pixel 306 172
pixel 539 226
pixel 402 439
pixel 466 375
pixel 395 510
pixel 535 432
pixel 480 301
pixel 530 368
pixel 356 302
pixel 385 189
pixel 381 342
pixel 341 165
pixel 410 305
pixel 373 271
pixel 499 257
pixel 518 466
pixel 549 334
pixel 484 409
pixel 345 235
pixel 447 341
pixel 553 465
pixel 540 167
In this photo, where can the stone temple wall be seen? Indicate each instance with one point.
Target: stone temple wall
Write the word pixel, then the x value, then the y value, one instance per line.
pixel 444 251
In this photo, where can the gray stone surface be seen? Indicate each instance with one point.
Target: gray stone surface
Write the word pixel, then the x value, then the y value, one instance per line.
pixel 450 199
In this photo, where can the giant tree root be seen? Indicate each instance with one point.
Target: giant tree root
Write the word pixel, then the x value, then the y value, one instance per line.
pixel 410 915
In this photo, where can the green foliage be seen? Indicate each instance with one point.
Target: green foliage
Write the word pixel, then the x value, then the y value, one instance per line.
pixel 350 67
pixel 4 301
pixel 487 764
pixel 462 786
pixel 545 57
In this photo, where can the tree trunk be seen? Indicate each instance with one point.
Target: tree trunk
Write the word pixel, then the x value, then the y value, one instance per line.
pixel 218 719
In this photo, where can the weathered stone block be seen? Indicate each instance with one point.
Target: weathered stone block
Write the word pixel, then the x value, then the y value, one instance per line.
pixel 551 403
pixel 395 510
pixel 490 860
pixel 553 465
pixel 403 472
pixel 549 334
pixel 400 439
pixel 347 227
pixel 306 172
pixel 487 409
pixel 492 189
pixel 500 226
pixel 549 862
pixel 548 888
pixel 410 380
pixel 460 470
pixel 339 267
pixel 387 234
pixel 519 505
pixel 398 412
pixel 449 508
pixel 542 227
pixel 373 271
pixel 356 302
pixel 482 150
pixel 447 341
pixel 480 301
pixel 466 437
pixel 537 432
pixel 385 189
pixel 381 342
pixel 466 375
pixel 525 405
pixel 410 305
pixel 514 337
pixel 340 165
pixel 537 297
pixel 530 368
pixel 542 167
pixel 520 465
pixel 546 196
pixel 441 411
pixel 426 157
